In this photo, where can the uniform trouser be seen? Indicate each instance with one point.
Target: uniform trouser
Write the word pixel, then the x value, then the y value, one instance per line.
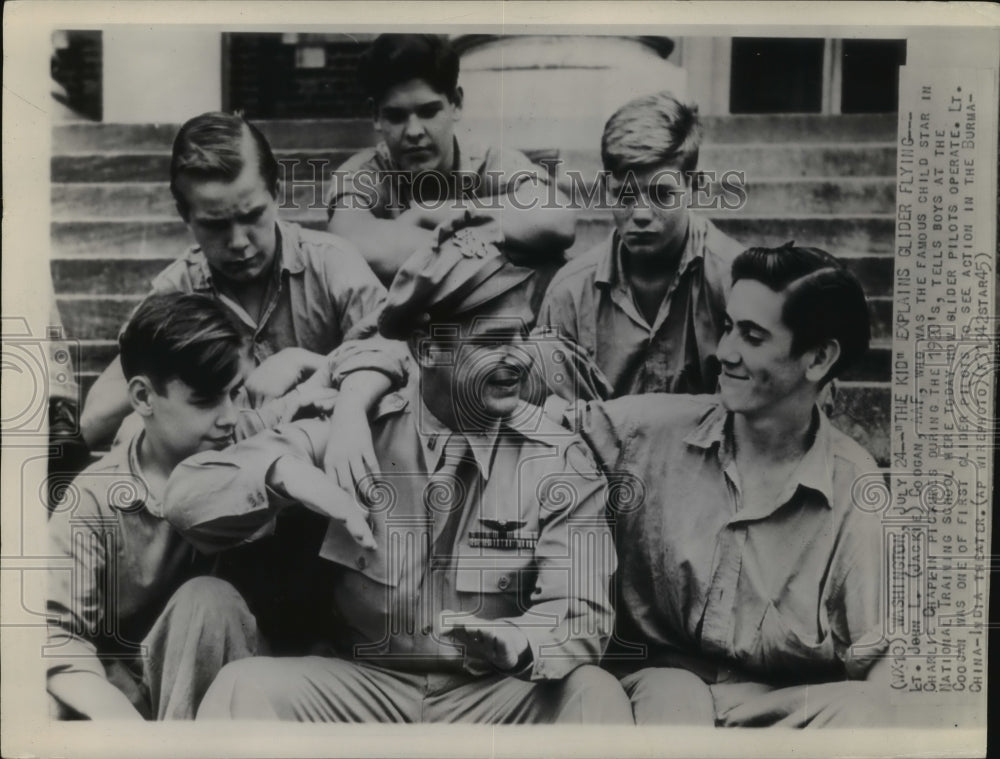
pixel 205 625
pixel 323 689
pixel 663 695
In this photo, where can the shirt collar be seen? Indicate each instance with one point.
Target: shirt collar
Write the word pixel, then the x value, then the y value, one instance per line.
pixel 609 269
pixel 434 434
pixel 814 471
pixel 131 447
pixel 290 257
pixel 469 160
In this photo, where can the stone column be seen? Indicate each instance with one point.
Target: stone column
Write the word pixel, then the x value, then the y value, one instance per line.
pixel 161 74
pixel 549 91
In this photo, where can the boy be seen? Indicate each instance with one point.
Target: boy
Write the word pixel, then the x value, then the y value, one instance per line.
pixel 295 293
pixel 387 200
pixel 137 629
pixel 748 573
pixel 648 303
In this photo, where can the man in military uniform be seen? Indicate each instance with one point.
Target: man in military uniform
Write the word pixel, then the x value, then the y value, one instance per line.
pixel 472 582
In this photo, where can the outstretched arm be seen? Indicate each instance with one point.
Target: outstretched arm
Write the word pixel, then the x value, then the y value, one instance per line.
pixel 106 406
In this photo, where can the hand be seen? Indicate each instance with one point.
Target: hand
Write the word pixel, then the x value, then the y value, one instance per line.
pixel 312 402
pixel 279 373
pixel 495 642
pixel 301 481
pixel 483 228
pixel 350 456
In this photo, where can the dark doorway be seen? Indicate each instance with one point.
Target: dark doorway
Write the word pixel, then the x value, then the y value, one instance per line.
pixel 870 75
pixel 771 75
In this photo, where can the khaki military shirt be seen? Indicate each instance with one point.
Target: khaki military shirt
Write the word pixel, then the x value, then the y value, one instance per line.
pixel 532 547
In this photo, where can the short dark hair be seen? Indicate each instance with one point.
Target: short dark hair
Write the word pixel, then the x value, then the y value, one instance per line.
pixel 393 59
pixel 823 299
pixel 210 146
pixel 185 336
pixel 649 131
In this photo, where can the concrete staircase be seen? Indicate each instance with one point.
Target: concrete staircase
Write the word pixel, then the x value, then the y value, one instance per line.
pixel 819 180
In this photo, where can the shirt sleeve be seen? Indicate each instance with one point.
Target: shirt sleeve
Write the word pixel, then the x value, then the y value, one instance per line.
pixel 570 619
pixel 354 288
pixel 358 176
pixel 76 605
pixel 173 279
pixel 557 311
pixel 504 170
pixel 390 357
pixel 220 499
pixel 854 601
pixel 604 425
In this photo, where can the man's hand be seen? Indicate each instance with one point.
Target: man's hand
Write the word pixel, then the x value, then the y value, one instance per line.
pixel 494 642
pixel 312 402
pixel 301 481
pixel 279 373
pixel 350 456
pixel 485 223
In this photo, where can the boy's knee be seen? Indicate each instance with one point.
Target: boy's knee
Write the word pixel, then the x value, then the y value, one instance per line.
pixel 663 695
pixel 599 695
pixel 210 597
pixel 240 690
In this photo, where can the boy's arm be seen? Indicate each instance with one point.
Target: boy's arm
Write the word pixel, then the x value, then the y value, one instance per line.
pixel 221 499
pixel 75 606
pixel 532 216
pixel 606 426
pixel 106 406
pixel 92 695
pixel 384 243
pixel 376 361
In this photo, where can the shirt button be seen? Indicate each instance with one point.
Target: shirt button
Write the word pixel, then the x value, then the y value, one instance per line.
pixel 362 562
pixel 503 583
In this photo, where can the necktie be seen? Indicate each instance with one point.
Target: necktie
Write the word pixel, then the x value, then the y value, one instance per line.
pixel 447 491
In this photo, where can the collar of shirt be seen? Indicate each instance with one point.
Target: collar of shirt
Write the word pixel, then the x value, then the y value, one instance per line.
pixel 470 160
pixel 434 434
pixel 609 271
pixel 289 258
pixel 814 471
pixel 128 450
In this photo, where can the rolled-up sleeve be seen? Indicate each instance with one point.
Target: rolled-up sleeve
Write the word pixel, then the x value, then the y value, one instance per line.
pixel 855 600
pixel 75 605
pixel 221 499
pixel 377 354
pixel 604 425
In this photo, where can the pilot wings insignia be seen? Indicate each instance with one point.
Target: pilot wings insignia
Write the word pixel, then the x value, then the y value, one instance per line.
pixel 498 535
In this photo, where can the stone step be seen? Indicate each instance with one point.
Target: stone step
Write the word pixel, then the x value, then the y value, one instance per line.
pixel 132 274
pixel 98 317
pixel 756 161
pixel 841 235
pixel 777 197
pixel 765 161
pixel 136 166
pixel 283 134
pixel 88 317
pixel 357 133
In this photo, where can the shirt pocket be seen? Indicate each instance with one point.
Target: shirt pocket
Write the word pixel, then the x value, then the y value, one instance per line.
pixel 785 653
pixel 495 586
